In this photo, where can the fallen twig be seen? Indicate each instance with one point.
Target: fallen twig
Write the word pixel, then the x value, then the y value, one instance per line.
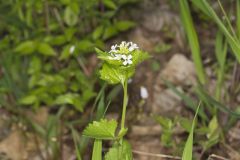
pixel 155 155
pixel 218 157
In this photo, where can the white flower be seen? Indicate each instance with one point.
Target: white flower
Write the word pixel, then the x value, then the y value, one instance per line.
pixel 113 48
pixel 71 49
pixel 143 92
pixel 126 47
pixel 123 44
pixel 127 59
pixel 132 47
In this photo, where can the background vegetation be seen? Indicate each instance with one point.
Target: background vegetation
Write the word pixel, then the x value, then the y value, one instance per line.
pixel 48 61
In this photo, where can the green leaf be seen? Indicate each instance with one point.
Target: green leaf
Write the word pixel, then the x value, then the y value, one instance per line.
pixel 70 17
pixel 70 98
pixel 26 47
pixel 97 150
pixel 192 39
pixel 213 134
pixel 100 52
pixel 66 52
pixel 85 45
pixel 213 126
pixel 110 4
pixel 231 37
pixel 102 129
pixel 98 32
pixel 124 25
pixel 122 132
pixel 120 151
pixel 238 19
pixel 114 75
pixel 31 99
pixel 46 49
pixel 76 140
pixel 165 122
pixel 139 56
pixel 35 65
pixel 110 32
pixel 187 152
pixel 57 40
pixel 185 123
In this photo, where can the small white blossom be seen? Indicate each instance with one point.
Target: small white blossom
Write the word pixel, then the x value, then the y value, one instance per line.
pixel 123 44
pixel 143 92
pixel 71 49
pixel 132 47
pixel 127 48
pixel 114 48
pixel 127 59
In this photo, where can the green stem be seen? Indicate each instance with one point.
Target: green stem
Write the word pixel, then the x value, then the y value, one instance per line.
pixel 125 101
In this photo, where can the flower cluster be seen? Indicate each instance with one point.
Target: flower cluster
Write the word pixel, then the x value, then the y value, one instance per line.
pixel 123 52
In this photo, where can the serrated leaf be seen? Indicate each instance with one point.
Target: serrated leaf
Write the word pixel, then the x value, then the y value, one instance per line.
pixel 119 151
pixel 102 129
pixel 46 49
pixel 139 56
pixel 114 75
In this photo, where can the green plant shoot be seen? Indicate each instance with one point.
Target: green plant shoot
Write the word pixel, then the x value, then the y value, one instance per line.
pixel 119 65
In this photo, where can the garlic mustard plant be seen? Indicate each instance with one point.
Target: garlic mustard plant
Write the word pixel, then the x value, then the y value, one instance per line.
pixel 118 66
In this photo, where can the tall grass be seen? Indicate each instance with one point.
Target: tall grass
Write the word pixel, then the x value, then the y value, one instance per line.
pixel 192 39
pixel 227 31
pixel 221 53
pixel 188 149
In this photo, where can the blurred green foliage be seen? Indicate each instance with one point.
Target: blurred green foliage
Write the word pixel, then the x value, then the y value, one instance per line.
pixel 45 47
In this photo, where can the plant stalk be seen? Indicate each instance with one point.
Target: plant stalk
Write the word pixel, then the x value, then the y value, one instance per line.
pixel 125 101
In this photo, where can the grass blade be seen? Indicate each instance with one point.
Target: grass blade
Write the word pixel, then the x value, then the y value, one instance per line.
pixel 208 99
pixel 238 19
pixel 97 150
pixel 221 53
pixel 192 39
pixel 231 39
pixel 187 152
pixel 76 141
